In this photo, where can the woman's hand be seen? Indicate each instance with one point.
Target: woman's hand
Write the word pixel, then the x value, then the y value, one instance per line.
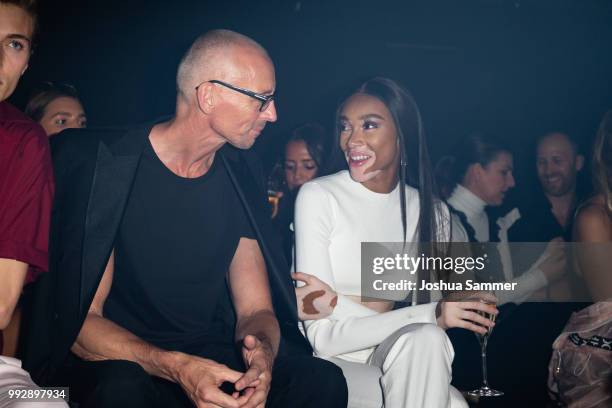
pixel 463 313
pixel 316 299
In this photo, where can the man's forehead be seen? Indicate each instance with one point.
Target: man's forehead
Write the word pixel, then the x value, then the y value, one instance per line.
pixel 557 143
pixel 15 22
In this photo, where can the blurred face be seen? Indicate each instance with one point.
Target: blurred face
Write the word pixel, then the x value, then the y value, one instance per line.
pixel 557 165
pixel 63 113
pixel 368 138
pixel 236 116
pixel 299 165
pixel 494 180
pixel 16 29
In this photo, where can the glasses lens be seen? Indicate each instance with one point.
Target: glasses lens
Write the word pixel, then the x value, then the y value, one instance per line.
pixel 265 104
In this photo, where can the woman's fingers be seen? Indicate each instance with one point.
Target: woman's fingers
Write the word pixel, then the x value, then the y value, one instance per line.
pixel 473 327
pixel 483 307
pixel 476 318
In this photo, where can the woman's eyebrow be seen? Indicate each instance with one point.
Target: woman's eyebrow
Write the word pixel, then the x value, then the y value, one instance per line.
pixel 371 115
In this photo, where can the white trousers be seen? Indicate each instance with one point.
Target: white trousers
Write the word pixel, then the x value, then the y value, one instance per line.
pixel 13 377
pixel 411 368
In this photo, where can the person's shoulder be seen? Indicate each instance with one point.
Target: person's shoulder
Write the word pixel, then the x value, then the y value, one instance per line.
pixel 19 128
pixel 326 184
pixel 593 221
pixel 84 140
pixel 9 114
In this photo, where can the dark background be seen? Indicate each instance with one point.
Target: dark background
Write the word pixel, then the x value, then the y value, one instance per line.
pixel 516 68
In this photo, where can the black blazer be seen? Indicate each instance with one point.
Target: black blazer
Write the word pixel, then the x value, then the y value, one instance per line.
pixel 94 171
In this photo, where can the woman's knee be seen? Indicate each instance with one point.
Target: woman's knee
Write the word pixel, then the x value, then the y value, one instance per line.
pixel 425 336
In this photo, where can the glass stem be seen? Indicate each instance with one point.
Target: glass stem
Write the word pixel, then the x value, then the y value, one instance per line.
pixel 483 355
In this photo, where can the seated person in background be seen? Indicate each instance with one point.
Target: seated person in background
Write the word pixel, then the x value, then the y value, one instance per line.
pixel 26 189
pixel 400 357
pixel 168 284
pixel 482 168
pixel 302 161
pixel 548 213
pixel 580 371
pixel 56 107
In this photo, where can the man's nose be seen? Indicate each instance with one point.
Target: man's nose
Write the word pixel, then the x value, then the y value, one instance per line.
pixel 269 114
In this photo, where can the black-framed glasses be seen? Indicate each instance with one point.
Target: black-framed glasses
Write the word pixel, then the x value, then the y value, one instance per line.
pixel 264 99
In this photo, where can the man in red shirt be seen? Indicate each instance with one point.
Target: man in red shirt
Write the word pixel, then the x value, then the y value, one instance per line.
pixel 26 186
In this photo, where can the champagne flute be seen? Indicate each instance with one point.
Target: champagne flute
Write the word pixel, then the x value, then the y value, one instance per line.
pixel 275 190
pixel 485 390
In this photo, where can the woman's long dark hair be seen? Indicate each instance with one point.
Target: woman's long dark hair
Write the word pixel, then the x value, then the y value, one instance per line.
pixel 415 168
pixel 477 148
pixel 313 136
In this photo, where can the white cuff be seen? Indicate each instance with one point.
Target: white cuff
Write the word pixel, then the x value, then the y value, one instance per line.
pixel 527 284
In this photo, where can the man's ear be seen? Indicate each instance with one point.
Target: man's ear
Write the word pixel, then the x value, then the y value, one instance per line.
pixel 206 97
pixel 474 172
pixel 579 162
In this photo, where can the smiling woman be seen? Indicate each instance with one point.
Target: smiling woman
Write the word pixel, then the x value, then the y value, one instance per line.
pixel 56 107
pixel 390 350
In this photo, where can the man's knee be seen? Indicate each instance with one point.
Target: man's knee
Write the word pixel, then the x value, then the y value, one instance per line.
pixel 314 382
pixel 122 383
pixel 328 379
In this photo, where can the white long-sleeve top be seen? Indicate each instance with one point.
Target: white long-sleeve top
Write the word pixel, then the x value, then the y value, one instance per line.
pixel 333 215
pixel 473 207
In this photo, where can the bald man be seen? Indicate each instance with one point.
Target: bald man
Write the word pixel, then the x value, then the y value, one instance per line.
pixel 167 285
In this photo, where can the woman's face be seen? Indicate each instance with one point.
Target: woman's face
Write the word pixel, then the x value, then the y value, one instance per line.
pixel 299 165
pixel 368 138
pixel 494 179
pixel 63 113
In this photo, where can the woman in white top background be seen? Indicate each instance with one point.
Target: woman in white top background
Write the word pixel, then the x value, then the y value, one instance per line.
pixel 480 174
pixel 397 356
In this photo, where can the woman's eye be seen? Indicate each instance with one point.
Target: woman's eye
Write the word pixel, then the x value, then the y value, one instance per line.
pixel 289 166
pixel 343 127
pixel 60 122
pixel 83 123
pixel 370 125
pixel 310 166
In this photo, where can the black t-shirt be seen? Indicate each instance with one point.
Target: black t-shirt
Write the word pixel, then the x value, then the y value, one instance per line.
pixel 172 253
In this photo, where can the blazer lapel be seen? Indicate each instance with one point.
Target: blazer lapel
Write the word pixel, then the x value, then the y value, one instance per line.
pixel 111 186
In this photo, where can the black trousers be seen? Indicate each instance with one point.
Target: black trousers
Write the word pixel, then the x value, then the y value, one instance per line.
pixel 297 381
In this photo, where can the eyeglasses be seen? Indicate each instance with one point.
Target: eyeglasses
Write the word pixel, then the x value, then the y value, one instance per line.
pixel 264 99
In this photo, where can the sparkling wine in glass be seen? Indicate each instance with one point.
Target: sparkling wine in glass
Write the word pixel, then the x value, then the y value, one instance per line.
pixel 485 390
pixel 275 190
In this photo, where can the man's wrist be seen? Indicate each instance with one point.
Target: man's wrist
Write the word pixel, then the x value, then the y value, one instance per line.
pixel 169 363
